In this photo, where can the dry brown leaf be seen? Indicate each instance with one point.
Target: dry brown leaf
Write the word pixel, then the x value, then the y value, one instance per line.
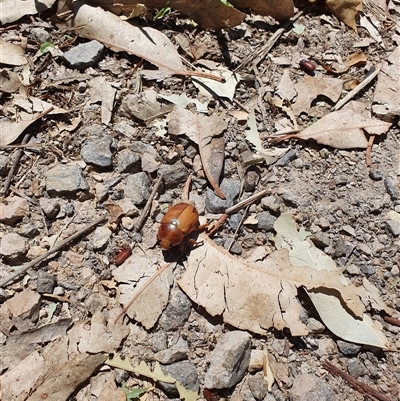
pixel 260 296
pixel 343 129
pixel 9 81
pixel 207 133
pixel 116 212
pixel 346 11
pixel 357 59
pixel 280 10
pixel 310 87
pixel 10 53
pixel 147 43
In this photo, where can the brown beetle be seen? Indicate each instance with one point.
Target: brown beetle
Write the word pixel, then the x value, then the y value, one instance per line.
pixel 177 223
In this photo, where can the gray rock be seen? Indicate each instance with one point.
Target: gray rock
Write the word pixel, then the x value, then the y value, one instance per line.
pixel 353 269
pixel 13 209
pixel 291 199
pixel 97 152
pixel 29 230
pixel 65 180
pixel 177 352
pixel 311 388
pixel 40 35
pixel 50 207
pixel 229 360
pixel 367 269
pixel 315 326
pixel 326 347
pixel 96 302
pixel 84 55
pixel 100 237
pixel 266 221
pixel 341 180
pixel 177 311
pixel 373 371
pixel 159 341
pixel 235 249
pixel 184 372
pixel 348 348
pixel 13 248
pixel 231 189
pixel 375 174
pixel 3 165
pixel 137 188
pixel 234 221
pixel 394 227
pixel 356 368
pixel 258 386
pixel 286 158
pixel 320 239
pixel 349 230
pixel 271 203
pixel 391 189
pixel 46 283
pixel 128 162
pixel 251 180
pixel 173 174
pixel 59 291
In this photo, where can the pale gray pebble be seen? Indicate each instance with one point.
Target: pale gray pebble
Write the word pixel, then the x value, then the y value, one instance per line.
pixel 137 188
pixel 235 249
pixel 266 221
pixel 177 310
pixel 178 352
pixel 367 269
pixel 258 386
pixel 13 248
pixel 229 360
pixel 173 174
pixel 394 227
pixel 348 348
pixel 97 152
pixel 251 180
pixel 341 180
pixel 59 291
pixel 50 207
pixel 375 173
pixel 356 368
pixel 185 372
pixel 320 239
pixel 159 341
pixel 315 326
pixel 391 189
pixel 100 237
pixel 231 189
pixel 45 283
pixel 353 269
pixel 95 302
pixel 40 35
pixel 271 203
pixel 234 220
pixel 311 388
pixel 292 200
pixel 373 371
pixel 65 180
pixel 128 162
pixel 29 230
pixel 85 55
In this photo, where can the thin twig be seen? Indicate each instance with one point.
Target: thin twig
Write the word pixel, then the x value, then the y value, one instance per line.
pixel 358 385
pixel 392 320
pixel 136 296
pixel 186 189
pixel 369 150
pixel 257 55
pixel 53 250
pixel 147 207
pixel 238 228
pixel 357 89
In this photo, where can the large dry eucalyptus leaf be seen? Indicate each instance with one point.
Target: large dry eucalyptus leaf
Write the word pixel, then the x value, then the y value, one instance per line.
pixel 147 43
pixel 11 53
pixel 13 10
pixel 309 88
pixel 260 296
pixel 346 11
pixel 207 132
pixel 211 14
pixel 343 130
pixel 280 10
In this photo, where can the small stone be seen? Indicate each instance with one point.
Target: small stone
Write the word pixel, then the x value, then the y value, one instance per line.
pixel 271 204
pixel 256 360
pixel 96 302
pixel 137 188
pixel 341 180
pixel 251 180
pixel 286 158
pixel 394 227
pixel 101 192
pixel 348 348
pixel 150 164
pixel 100 237
pixel 364 248
pixel 59 291
pixel 84 55
pixel 177 311
pixel 311 388
pixel 266 221
pixel 13 248
pixel 391 189
pixel 324 223
pixel 231 189
pixel 13 209
pixel 326 347
pixel 315 326
pixel 235 248
pixel 173 174
pixel 320 239
pixel 349 230
pixel 291 199
pixel 65 180
pixel 40 35
pixel 46 283
pixel 128 162
pixel 258 386
pixel 35 251
pixel 353 270
pixel 356 368
pixel 177 352
pixel 50 207
pixel 128 223
pixel 229 360
pixel 97 152
pixel 128 207
pixel 159 341
pixel 367 269
pixel 3 165
pixel 185 373
pixel 375 174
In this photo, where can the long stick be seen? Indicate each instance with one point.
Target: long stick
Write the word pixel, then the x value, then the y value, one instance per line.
pixel 53 250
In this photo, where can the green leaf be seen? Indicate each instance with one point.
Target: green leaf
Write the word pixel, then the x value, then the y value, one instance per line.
pixel 45 47
pixel 134 393
pixel 162 13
